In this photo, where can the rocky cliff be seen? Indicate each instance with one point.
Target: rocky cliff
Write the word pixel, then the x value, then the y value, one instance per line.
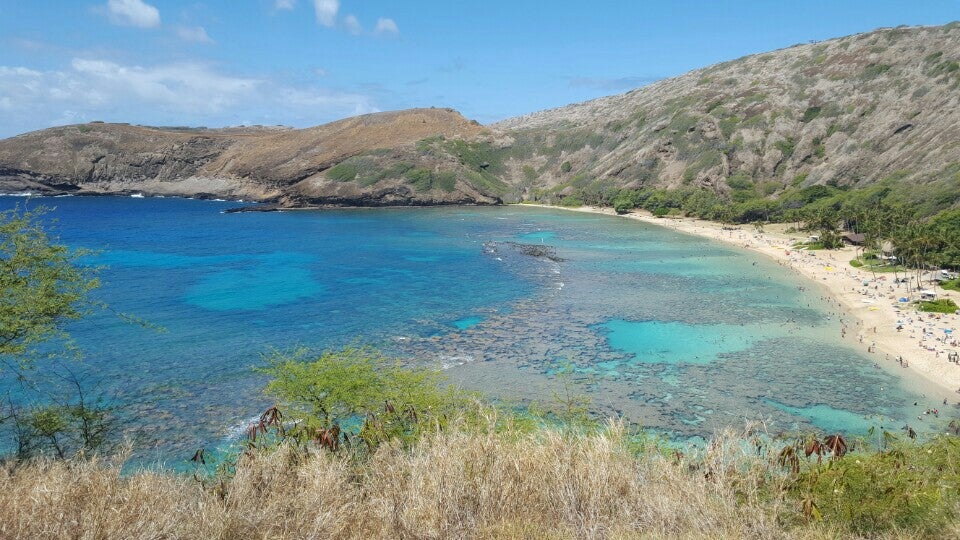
pixel 260 164
pixel 853 111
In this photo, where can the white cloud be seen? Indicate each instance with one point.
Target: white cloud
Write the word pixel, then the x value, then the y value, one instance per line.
pixel 133 13
pixel 196 34
pixel 189 87
pixel 326 11
pixel 172 94
pixel 387 27
pixel 353 25
pixel 285 4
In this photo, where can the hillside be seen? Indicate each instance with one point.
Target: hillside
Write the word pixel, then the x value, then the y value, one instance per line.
pixel 853 111
pixel 261 164
pixel 874 109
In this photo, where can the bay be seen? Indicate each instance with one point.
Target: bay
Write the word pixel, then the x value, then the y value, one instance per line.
pixel 679 334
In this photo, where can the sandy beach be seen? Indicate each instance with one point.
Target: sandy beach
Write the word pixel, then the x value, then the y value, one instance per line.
pixel 870 305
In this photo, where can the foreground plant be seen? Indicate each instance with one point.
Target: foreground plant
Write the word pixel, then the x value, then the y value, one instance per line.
pixel 42 288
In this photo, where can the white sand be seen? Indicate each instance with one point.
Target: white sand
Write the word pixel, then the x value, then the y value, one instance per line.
pixel 873 308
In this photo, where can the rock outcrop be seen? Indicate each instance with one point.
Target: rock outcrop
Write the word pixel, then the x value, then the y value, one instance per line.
pixel 853 111
pixel 257 164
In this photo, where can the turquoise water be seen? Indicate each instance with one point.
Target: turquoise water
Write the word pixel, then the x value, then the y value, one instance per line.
pixel 678 343
pixel 674 332
pixel 467 322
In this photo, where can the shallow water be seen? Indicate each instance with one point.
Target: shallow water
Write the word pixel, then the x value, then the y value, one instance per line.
pixel 680 334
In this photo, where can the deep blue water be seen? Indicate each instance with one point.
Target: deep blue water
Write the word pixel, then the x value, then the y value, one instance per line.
pixel 678 333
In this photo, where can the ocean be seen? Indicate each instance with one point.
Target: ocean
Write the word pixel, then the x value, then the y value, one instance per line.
pixel 681 335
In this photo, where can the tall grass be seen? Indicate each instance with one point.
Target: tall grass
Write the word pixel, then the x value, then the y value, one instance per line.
pixel 455 483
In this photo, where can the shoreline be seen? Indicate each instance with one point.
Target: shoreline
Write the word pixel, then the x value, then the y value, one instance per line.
pixel 869 309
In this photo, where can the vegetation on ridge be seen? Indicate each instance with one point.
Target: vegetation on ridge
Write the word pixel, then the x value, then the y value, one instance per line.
pixel 737 141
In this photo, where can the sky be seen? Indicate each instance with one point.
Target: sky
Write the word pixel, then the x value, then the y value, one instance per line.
pixel 306 62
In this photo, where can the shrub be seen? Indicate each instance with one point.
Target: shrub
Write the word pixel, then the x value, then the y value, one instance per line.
pixel 943 305
pixel 903 487
pixel 447 181
pixel 740 180
pixel 728 125
pixel 422 179
pixel 819 149
pixel 571 200
pixel 952 285
pixel 622 206
pixel 396 170
pixel 566 167
pixel 875 70
pixel 340 388
pixel 342 172
pixel 487 183
pixel 786 147
pixel 810 114
pixel 831 239
pixel 476 156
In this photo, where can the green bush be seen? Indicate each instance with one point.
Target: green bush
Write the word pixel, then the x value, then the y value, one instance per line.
pixel 729 125
pixel 819 149
pixel 476 156
pixel 740 180
pixel 487 183
pixel 875 70
pixel 446 180
pixel 342 172
pixel 856 263
pixel 571 200
pixel 397 170
pixel 622 206
pixel 906 487
pixel 952 285
pixel 566 167
pixel 786 147
pixel 422 179
pixel 943 305
pixel 810 114
pixel 831 240
pixel 341 388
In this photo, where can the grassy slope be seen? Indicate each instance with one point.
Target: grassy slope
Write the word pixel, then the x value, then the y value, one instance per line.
pixel 484 484
pixel 851 111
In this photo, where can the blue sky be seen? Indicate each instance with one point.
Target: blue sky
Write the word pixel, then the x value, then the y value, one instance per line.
pixel 306 62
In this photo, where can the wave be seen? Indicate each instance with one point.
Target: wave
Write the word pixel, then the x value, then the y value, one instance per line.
pixel 447 362
pixel 240 429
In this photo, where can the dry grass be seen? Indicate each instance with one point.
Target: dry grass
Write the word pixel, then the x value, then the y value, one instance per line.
pixel 450 485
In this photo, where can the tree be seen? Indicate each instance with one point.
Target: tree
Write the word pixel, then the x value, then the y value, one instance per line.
pixel 42 287
pixel 75 421
pixel 361 387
